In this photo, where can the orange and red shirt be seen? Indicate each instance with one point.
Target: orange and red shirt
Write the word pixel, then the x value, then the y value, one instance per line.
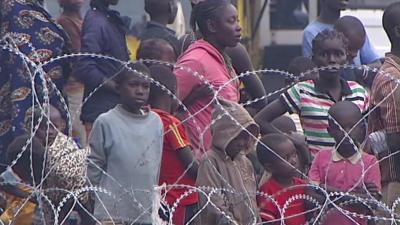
pixel 172 168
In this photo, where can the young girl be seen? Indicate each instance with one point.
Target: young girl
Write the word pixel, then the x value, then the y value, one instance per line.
pixel 312 99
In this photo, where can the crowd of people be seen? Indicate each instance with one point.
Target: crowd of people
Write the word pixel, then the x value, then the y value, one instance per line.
pixel 95 133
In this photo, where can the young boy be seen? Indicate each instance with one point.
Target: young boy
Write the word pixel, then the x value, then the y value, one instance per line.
pixel 226 166
pixel 283 183
pixel 312 99
pixel 347 168
pixel 177 153
pixel 126 144
pixel 157 49
pixel 162 12
pixel 103 32
pixel 330 13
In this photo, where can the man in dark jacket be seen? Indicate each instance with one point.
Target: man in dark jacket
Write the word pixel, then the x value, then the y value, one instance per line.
pixel 162 12
pixel 103 33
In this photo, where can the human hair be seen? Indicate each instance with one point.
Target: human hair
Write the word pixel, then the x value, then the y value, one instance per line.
pixel 390 20
pixel 267 146
pixel 154 48
pixel 284 124
pixel 328 35
pixel 131 70
pixel 165 77
pixel 204 11
pixel 35 151
pixel 350 23
pixel 300 64
pixel 154 7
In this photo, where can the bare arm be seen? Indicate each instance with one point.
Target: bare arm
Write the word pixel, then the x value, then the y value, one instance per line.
pixel 268 114
pixel 186 156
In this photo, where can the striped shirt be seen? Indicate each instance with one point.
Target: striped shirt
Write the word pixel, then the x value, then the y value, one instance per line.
pixel 312 105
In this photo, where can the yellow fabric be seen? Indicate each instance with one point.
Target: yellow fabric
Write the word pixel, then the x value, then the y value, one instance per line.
pixel 243 17
pixel 24 216
pixel 133 45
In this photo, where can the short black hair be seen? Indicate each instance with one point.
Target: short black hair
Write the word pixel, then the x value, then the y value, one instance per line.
pixel 352 23
pixel 204 11
pixel 129 70
pixel 328 35
pixel 272 141
pixel 391 19
pixel 165 77
pixel 300 64
pixel 153 7
pixel 23 164
pixel 152 49
pixel 284 124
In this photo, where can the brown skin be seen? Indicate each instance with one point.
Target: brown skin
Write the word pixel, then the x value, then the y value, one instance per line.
pixel 284 170
pixel 52 131
pixel 330 10
pixel 241 142
pixel 332 52
pixel 134 92
pixel 224 31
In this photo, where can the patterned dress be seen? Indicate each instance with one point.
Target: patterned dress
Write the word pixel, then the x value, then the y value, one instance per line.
pixel 28 28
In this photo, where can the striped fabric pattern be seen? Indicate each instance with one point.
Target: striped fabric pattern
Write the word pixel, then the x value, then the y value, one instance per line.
pixel 312 105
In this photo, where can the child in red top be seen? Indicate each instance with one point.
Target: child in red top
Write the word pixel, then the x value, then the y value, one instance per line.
pixel 178 165
pixel 283 183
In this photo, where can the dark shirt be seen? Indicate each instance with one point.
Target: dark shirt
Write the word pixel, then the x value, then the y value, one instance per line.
pixel 103 33
pixel 156 30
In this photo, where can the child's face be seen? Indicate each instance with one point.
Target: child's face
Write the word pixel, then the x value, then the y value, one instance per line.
pixel 356 42
pixel 332 52
pixel 346 148
pixel 286 167
pixel 52 130
pixel 238 144
pixel 134 92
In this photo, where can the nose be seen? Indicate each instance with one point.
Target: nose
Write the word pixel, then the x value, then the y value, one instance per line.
pixel 332 59
pixel 238 28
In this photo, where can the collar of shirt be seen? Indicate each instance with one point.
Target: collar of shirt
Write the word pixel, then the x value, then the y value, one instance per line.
pixel 158 25
pixel 354 159
pixel 346 90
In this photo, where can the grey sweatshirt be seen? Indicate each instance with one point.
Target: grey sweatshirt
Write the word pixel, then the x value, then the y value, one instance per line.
pixel 128 147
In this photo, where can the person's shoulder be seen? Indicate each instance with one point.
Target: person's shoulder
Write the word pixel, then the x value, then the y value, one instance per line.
pixel 110 115
pixel 94 17
pixel 368 158
pixel 323 156
pixel 154 117
pixel 357 88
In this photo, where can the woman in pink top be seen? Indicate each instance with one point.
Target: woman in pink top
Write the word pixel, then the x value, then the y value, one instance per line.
pixel 217 20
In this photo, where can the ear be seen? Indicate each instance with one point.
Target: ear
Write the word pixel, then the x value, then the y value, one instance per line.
pixel 211 26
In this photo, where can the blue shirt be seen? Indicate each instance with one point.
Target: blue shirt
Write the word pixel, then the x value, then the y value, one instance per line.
pixel 366 55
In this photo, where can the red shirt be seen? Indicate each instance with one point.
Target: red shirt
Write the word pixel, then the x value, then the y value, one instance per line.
pixel 269 211
pixel 172 168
